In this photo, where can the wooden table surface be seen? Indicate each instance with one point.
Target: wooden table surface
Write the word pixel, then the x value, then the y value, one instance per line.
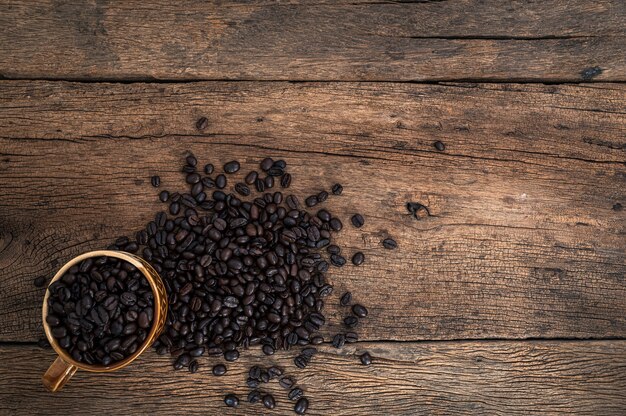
pixel 510 298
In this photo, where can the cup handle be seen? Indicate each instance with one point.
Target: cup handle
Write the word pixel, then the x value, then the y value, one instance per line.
pixel 58 374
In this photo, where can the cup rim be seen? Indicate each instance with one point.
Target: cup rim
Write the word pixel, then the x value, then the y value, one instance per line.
pixel 146 270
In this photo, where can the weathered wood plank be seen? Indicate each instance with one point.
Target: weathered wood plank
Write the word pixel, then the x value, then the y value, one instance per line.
pixel 496 378
pixel 525 239
pixel 412 41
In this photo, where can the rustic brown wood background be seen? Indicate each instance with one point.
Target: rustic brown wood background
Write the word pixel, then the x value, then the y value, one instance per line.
pixel 509 299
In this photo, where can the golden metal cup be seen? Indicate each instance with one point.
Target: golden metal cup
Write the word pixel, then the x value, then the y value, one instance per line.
pixel 64 367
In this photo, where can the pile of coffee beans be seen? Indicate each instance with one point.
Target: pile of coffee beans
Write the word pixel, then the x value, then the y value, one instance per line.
pixel 243 270
pixel 100 311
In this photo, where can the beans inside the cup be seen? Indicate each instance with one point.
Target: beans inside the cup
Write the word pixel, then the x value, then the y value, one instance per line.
pixel 100 311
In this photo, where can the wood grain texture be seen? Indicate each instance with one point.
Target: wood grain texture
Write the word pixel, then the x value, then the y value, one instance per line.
pixel 347 40
pixel 495 378
pixel 526 238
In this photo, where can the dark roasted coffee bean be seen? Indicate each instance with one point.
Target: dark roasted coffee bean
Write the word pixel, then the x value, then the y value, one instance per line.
pixel 351 337
pixel 335 224
pixel 242 189
pixel 254 372
pixel 251 177
pixel 346 298
pixel 439 146
pixel 390 243
pixel 220 181
pixel 193 366
pixel 311 201
pixel 285 180
pixel 337 189
pixel 337 260
pixel 164 196
pixel 351 321
pixel 301 406
pixel 266 164
pixel 231 167
pixel 295 393
pixel 275 171
pixel 316 340
pixel 359 310
pixel 254 396
pixel 253 383
pixel 231 355
pixel 333 249
pixel 300 361
pixel 339 340
pixel 155 181
pixel 358 258
pixel 274 372
pixel 357 220
pixel 259 184
pixel 268 401
pixel 231 400
pixel 264 377
pixel 366 358
pixel 292 202
pixel 39 281
pixel 219 370
pixel 208 168
pixel 285 382
pixel 268 350
pixel 269 182
pixel 202 123
pixel 322 196
pixel 43 343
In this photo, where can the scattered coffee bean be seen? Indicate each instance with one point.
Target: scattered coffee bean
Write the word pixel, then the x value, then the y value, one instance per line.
pixel 43 343
pixel 366 358
pixel 359 310
pixel 285 180
pixel 316 340
pixel 232 355
pixel 301 406
pixel 300 361
pixel 242 189
pixel 337 260
pixel 268 350
pixel 202 123
pixel 390 243
pixel 209 168
pixel 339 340
pixel 286 382
pixel 266 164
pixel 274 372
pixel 193 366
pixel 155 181
pixel 164 196
pixel 357 220
pixel 351 337
pixel 254 396
pixel 231 167
pixel 220 181
pixel 231 400
pixel 337 189
pixel 358 258
pixel 268 401
pixel 219 370
pixel 39 281
pixel 311 201
pixel 351 321
pixel 295 393
pixel 251 178
pixel 346 298
pixel 439 146
pixel 322 196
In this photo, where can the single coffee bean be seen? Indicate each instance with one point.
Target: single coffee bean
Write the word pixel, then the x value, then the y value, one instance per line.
pixel 337 189
pixel 358 258
pixel 439 146
pixel 254 372
pixel 339 340
pixel 219 370
pixel 209 168
pixel 269 182
pixel 335 224
pixel 359 310
pixel 351 337
pixel 295 393
pixel 242 189
pixel 251 177
pixel 346 298
pixel 311 201
pixel 301 406
pixel 322 196
pixel 43 343
pixel 231 167
pixel 366 358
pixel 274 372
pixel 254 396
pixel 264 377
pixel 390 243
pixel 266 164
pixel 337 260
pixel 193 366
pixel 220 181
pixel 300 361
pixel 164 196
pixel 268 350
pixel 285 382
pixel 39 281
pixel 316 340
pixel 357 220
pixel 231 400
pixel 202 123
pixel 351 321
pixel 268 401
pixel 231 355
pixel 285 180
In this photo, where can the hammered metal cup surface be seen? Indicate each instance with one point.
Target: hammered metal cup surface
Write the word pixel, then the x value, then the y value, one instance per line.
pixel 65 366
